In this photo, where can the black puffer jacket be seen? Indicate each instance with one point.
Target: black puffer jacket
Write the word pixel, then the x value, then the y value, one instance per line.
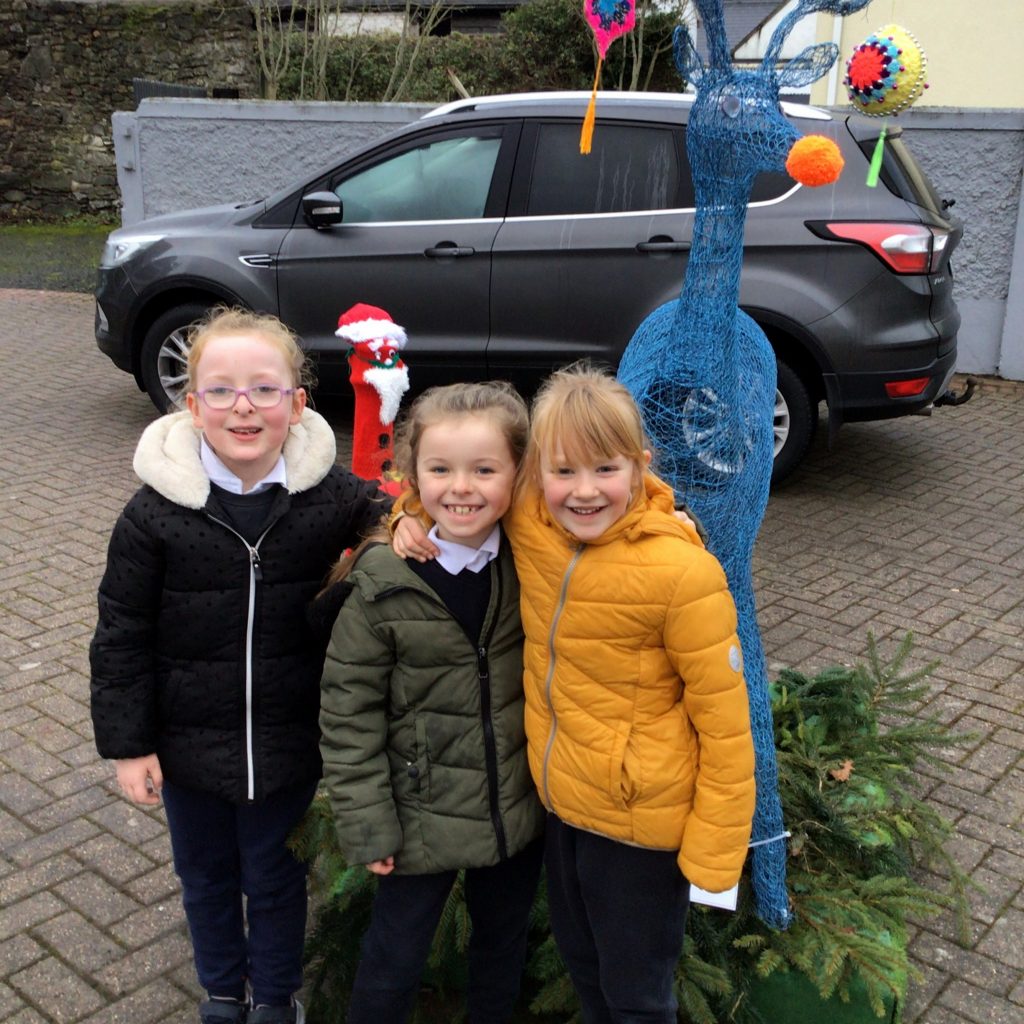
pixel 202 653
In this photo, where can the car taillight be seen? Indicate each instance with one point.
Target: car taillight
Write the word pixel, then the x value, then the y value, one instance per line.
pixel 903 248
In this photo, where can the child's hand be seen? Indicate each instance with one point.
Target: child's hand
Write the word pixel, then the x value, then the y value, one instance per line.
pixel 140 778
pixel 382 867
pixel 684 518
pixel 410 540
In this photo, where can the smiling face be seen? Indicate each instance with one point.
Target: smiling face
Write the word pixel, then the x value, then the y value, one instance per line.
pixel 464 474
pixel 587 495
pixel 246 439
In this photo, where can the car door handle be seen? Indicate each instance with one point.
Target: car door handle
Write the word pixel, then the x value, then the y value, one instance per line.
pixel 662 245
pixel 449 249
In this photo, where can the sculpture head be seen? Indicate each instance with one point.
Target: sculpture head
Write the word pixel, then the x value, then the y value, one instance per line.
pixel 737 128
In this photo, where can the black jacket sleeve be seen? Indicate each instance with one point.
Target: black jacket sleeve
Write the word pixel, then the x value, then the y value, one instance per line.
pixel 368 506
pixel 122 656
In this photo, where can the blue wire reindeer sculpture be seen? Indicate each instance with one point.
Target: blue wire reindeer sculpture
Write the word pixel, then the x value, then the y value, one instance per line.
pixel 704 374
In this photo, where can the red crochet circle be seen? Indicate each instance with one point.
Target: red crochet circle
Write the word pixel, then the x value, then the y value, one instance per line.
pixel 866 68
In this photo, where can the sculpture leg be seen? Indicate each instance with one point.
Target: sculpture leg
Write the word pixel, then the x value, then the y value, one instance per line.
pixel 768 861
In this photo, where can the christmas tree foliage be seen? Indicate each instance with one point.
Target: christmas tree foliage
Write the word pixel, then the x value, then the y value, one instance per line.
pixel 848 742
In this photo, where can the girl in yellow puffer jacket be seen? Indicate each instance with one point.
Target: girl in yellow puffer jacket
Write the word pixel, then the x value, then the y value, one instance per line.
pixel 636 710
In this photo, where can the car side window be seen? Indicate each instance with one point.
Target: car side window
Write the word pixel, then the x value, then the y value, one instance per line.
pixel 447 179
pixel 630 168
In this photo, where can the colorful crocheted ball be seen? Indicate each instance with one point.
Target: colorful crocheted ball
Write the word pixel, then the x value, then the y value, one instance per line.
pixel 886 72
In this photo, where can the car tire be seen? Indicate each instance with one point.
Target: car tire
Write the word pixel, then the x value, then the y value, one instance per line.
pixel 795 421
pixel 163 357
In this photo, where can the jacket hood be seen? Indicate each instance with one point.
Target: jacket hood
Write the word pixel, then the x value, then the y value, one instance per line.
pixel 167 457
pixel 651 514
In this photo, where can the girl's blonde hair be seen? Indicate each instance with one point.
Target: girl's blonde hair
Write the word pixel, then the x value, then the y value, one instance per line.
pixel 586 414
pixel 222 321
pixel 497 400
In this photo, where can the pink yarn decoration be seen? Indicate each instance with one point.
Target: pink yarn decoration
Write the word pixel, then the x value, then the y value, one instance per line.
pixel 609 19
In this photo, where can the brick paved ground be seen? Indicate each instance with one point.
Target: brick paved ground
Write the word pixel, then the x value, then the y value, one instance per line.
pixel 909 525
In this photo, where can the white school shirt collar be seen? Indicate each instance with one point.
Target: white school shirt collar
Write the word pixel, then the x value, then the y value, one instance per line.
pixel 456 557
pixel 220 475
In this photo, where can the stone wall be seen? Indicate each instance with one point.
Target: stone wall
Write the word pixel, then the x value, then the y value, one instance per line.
pixel 67 65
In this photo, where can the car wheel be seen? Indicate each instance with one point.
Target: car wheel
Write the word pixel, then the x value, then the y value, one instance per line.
pixel 164 355
pixel 796 419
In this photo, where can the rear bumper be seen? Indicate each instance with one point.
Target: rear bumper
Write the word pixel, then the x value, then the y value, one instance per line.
pixel 856 397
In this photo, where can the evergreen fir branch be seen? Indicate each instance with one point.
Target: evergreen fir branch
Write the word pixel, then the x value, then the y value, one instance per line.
pixel 557 997
pixel 858 835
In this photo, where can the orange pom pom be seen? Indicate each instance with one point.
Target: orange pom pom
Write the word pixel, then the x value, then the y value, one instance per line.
pixel 814 160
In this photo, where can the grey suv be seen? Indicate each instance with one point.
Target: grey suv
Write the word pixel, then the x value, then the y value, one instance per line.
pixel 504 253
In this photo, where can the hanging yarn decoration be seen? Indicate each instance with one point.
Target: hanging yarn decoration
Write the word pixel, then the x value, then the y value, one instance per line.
pixel 884 75
pixel 608 19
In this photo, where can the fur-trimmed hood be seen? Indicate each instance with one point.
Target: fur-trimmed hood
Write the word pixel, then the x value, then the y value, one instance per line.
pixel 167 457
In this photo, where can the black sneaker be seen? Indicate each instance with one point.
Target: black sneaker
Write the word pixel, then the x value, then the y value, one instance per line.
pixel 222 1011
pixel 277 1014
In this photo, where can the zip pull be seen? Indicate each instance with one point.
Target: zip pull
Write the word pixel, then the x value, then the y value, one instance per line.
pixel 481 663
pixel 257 566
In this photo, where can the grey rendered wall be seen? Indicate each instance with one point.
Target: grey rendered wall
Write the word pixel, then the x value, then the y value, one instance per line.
pixel 176 154
pixel 976 158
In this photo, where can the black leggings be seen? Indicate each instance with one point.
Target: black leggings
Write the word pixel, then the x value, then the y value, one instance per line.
pixel 618 914
pixel 405 915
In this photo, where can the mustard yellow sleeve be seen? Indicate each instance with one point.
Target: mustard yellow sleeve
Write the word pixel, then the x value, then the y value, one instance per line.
pixel 701 641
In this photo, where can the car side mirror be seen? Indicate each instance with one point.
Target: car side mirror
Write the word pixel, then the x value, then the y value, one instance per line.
pixel 322 209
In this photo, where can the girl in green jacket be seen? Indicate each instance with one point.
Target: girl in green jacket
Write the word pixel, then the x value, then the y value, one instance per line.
pixel 422 715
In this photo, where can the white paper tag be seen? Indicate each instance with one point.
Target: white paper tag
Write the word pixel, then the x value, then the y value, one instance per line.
pixel 724 900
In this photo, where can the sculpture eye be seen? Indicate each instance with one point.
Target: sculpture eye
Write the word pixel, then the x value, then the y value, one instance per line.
pixel 731 104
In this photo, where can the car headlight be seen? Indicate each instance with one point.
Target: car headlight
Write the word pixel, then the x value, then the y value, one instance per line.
pixel 119 250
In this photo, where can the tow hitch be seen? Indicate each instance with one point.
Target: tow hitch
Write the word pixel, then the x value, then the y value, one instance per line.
pixel 951 397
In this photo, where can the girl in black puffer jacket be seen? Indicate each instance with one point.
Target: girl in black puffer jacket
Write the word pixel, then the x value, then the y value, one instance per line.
pixel 205 675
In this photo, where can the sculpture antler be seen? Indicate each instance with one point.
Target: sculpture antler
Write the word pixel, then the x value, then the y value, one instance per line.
pixel 719 55
pixel 802 9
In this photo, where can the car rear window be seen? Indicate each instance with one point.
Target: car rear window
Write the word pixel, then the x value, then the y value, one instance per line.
pixel 770 185
pixel 630 168
pixel 901 173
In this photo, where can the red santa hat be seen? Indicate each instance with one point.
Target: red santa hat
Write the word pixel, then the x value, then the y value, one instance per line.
pixel 364 323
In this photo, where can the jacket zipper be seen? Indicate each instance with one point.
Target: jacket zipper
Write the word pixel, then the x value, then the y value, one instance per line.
pixel 551 671
pixel 255 577
pixel 490 746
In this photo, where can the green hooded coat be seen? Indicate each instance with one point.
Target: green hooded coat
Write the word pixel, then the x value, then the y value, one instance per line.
pixel 422 727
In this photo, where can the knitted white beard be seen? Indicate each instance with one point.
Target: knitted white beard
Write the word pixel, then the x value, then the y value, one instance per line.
pixel 391 384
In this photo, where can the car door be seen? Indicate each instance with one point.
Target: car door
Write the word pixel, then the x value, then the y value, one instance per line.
pixel 591 245
pixel 419 220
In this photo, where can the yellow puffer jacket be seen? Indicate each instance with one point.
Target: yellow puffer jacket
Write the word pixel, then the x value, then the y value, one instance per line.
pixel 636 709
